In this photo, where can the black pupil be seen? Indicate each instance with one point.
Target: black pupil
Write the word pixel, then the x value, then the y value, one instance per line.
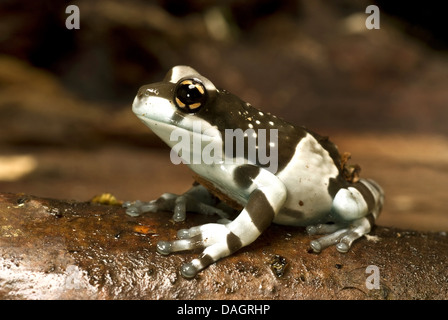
pixel 189 94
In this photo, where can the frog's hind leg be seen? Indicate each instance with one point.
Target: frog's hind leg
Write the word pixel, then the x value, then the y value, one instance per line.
pixel 360 205
pixel 197 199
pixel 343 236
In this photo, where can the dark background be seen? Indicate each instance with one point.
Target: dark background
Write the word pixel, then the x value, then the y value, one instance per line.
pixel 67 130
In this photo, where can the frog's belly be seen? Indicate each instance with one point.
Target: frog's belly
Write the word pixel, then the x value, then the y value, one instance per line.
pixel 305 208
pixel 307 177
pixel 217 179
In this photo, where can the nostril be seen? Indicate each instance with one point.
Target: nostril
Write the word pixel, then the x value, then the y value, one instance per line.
pixel 147 91
pixel 141 93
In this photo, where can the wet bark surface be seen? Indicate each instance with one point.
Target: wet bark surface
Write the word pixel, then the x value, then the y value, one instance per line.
pixel 54 249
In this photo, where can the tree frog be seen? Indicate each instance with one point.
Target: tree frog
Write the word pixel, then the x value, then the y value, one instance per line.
pixel 308 185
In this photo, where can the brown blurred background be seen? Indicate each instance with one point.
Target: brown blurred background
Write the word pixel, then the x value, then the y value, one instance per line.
pixel 67 130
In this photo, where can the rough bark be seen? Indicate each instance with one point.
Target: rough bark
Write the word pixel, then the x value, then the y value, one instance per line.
pixel 54 249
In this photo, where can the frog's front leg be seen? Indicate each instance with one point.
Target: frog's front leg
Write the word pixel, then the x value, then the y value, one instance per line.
pixel 221 240
pixel 197 199
pixel 358 205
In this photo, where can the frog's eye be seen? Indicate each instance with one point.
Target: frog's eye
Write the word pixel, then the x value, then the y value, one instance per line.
pixel 190 95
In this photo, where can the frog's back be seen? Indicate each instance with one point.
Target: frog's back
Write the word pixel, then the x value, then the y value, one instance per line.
pixel 282 137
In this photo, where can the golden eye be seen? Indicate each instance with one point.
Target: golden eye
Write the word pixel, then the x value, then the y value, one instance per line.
pixel 190 95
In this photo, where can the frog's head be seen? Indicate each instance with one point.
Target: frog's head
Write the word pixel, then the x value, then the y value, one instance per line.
pixel 188 106
pixel 177 103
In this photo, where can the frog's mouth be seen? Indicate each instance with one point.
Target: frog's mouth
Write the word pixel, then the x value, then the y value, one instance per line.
pixel 171 125
pixel 173 130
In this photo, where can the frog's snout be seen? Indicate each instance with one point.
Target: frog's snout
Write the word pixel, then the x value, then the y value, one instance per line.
pixel 147 91
pixel 144 94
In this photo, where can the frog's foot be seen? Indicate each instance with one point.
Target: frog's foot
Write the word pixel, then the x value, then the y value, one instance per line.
pixel 197 199
pixel 178 204
pixel 221 240
pixel 136 208
pixel 341 235
pixel 217 240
